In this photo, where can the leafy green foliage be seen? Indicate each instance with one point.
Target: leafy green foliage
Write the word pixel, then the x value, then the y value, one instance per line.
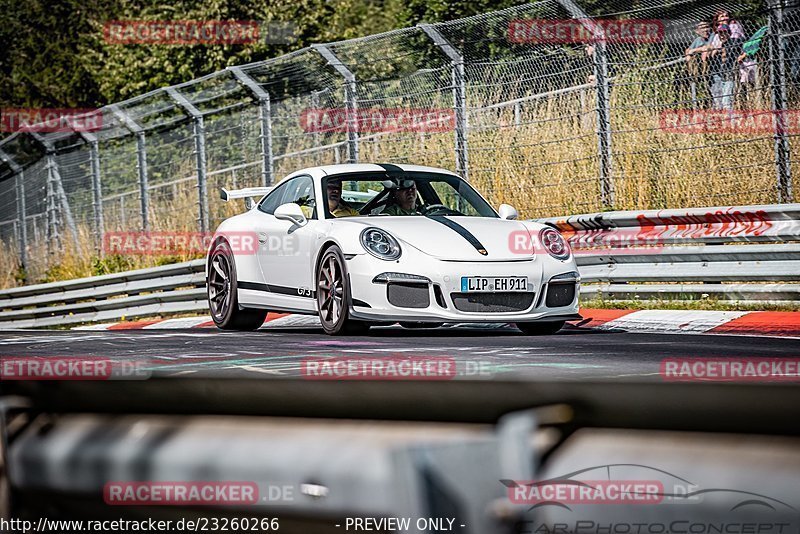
pixel 53 52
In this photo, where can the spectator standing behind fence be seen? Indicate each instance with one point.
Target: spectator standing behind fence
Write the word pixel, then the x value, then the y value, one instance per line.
pixel 723 17
pixel 697 61
pixel 748 71
pixel 750 50
pixel 724 67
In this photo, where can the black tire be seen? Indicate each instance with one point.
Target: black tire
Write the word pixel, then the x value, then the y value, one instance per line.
pixel 222 288
pixel 540 329
pixel 419 324
pixel 333 295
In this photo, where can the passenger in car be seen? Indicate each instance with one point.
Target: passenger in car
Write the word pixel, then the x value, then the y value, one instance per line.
pixel 336 206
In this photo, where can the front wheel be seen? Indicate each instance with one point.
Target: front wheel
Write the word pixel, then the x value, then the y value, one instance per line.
pixel 222 300
pixel 333 295
pixel 540 329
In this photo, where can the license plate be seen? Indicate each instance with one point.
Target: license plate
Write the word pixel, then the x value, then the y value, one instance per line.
pixel 491 284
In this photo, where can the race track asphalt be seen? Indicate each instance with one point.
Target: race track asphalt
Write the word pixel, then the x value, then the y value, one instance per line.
pixel 479 353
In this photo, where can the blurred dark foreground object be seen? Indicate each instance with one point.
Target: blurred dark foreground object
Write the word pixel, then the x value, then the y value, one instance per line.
pixel 723 454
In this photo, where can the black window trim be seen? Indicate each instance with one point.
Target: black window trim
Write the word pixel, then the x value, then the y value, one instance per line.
pixel 283 184
pixel 422 174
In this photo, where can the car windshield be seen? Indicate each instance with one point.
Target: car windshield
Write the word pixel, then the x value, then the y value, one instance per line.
pixel 384 194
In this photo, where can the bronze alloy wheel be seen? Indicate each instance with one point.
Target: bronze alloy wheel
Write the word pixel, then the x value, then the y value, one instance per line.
pixel 333 295
pixel 219 285
pixel 222 289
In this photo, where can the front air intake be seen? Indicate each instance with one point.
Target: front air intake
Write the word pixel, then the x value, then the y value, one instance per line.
pixel 408 295
pixel 492 302
pixel 560 294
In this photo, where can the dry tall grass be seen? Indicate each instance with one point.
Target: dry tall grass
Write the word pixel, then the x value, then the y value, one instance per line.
pixel 543 161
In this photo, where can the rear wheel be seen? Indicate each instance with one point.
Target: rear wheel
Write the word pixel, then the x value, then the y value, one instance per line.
pixel 222 300
pixel 333 295
pixel 540 329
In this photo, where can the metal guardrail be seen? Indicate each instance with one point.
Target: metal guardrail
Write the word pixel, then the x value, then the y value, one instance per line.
pixel 740 253
pixel 145 292
pixel 747 253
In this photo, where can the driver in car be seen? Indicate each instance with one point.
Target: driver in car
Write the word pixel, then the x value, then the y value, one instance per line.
pixel 337 206
pixel 405 200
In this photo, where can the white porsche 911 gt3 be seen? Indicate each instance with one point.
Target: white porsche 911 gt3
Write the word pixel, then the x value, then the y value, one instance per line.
pixel 375 244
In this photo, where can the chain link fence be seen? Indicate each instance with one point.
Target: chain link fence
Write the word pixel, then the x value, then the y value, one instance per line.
pixel 542 106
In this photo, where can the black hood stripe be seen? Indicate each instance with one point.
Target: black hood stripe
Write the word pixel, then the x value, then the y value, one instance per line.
pixel 460 230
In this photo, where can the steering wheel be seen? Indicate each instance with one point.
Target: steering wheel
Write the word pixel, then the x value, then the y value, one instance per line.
pixel 375 202
pixel 427 210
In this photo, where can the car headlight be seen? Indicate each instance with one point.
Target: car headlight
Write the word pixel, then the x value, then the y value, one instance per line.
pixel 554 244
pixel 380 244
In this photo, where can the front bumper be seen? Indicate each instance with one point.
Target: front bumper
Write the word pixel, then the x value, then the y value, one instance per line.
pixel 436 296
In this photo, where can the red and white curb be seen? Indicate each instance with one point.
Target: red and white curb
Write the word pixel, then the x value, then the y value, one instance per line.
pixel 651 321
pixel 758 323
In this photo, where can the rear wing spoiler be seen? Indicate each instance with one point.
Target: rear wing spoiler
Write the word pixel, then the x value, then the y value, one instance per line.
pixel 248 193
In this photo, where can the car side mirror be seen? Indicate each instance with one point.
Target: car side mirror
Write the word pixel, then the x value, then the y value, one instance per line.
pixel 291 212
pixel 508 212
pixel 249 203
